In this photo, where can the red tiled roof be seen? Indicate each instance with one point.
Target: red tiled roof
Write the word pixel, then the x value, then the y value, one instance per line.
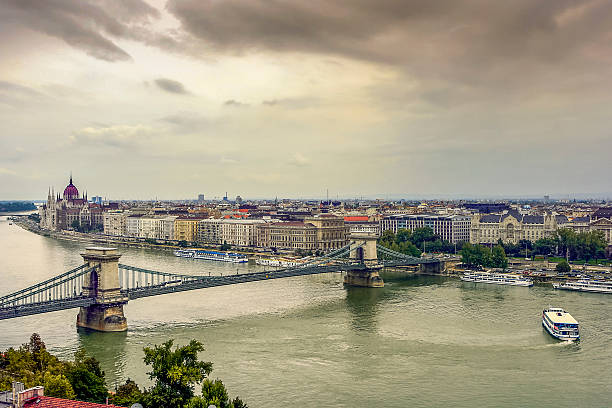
pixel 356 218
pixel 50 402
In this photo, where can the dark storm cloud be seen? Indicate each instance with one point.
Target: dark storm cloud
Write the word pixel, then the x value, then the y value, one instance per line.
pixel 473 41
pixel 172 86
pixel 86 25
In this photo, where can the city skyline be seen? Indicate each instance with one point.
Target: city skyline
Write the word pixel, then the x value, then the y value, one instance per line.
pixel 406 99
pixel 323 196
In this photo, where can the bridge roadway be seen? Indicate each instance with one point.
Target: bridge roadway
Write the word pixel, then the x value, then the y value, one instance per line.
pixel 181 283
pixel 101 286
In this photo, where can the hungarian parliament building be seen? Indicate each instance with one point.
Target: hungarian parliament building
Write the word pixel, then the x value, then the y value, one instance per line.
pixel 60 213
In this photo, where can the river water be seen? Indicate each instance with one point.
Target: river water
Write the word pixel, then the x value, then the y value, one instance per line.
pixel 310 342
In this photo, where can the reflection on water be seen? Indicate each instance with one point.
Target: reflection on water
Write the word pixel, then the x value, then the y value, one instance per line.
pixel 107 347
pixel 362 304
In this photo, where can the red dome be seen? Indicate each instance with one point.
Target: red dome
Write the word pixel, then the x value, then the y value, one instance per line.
pixel 71 192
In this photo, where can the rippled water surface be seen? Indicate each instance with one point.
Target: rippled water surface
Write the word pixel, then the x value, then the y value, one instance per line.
pixel 310 342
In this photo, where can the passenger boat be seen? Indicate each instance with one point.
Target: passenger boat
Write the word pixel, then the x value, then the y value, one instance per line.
pixel 560 324
pixel 497 278
pixel 211 255
pixel 586 285
pixel 282 262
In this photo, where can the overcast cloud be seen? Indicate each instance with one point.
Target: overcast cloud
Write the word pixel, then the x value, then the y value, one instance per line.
pixel 290 98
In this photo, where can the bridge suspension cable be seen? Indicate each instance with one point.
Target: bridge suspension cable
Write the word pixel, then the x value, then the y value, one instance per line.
pixel 64 291
pixel 67 285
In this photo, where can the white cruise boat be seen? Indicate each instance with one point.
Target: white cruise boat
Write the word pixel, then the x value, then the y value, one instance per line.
pixel 282 262
pixel 497 278
pixel 211 255
pixel 586 285
pixel 560 324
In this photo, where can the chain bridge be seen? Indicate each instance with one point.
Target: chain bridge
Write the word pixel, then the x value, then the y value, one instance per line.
pixel 101 286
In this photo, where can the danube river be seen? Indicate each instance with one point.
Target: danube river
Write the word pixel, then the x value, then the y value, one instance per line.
pixel 310 342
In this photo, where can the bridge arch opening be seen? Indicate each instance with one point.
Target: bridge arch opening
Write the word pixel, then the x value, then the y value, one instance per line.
pixel 359 254
pixel 94 283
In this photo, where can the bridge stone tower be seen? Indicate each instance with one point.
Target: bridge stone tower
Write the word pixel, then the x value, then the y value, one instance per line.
pixel 106 313
pixel 363 249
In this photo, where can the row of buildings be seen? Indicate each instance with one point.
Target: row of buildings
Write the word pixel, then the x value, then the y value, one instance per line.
pixel 311 225
pixel 509 225
pixel 325 231
pixel 321 232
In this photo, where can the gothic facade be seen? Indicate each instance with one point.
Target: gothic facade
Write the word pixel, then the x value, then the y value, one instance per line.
pixel 60 213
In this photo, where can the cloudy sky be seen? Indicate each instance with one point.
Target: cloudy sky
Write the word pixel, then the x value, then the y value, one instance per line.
pixel 263 98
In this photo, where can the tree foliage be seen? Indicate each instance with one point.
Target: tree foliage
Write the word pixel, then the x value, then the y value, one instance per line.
pixel 175 373
pixel 563 266
pixel 11 206
pixel 87 378
pixel 215 393
pixel 480 255
pixel 565 243
pixel 127 394
pixel 400 242
pixel 413 242
pixel 498 257
pixel 33 365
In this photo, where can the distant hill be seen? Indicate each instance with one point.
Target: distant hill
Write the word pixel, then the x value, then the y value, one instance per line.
pixel 13 206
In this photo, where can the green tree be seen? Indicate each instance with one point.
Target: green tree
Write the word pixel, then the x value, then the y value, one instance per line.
pixel 127 394
pixel 409 248
pixel 563 266
pixel 175 373
pixel 420 235
pixel 386 238
pixel 87 378
pixel 403 235
pixel 476 255
pixel 592 245
pixel 498 257
pixel 567 242
pixel 215 393
pixel 545 246
pixel 58 386
pixel 33 365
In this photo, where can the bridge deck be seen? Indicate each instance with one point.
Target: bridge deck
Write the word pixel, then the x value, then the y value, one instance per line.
pixel 63 291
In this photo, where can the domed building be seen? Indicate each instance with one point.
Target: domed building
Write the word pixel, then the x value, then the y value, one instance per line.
pixel 65 211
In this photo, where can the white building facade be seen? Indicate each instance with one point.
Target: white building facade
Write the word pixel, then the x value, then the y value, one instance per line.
pixel 452 228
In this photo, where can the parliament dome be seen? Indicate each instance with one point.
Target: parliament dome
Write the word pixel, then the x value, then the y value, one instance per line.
pixel 71 192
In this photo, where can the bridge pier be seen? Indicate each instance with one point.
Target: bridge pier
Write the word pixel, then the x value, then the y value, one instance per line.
pixel 434 268
pixel 106 314
pixel 363 249
pixel 367 277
